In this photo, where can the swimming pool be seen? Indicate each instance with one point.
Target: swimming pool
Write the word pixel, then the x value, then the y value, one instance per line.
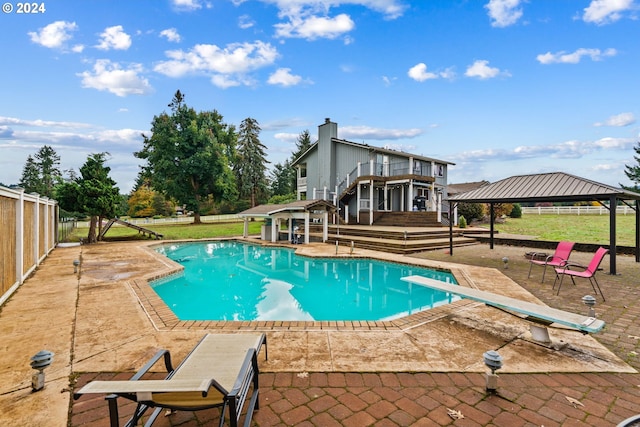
pixel 230 280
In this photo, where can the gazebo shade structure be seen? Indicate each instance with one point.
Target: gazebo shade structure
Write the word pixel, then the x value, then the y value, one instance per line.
pixel 298 210
pixel 553 187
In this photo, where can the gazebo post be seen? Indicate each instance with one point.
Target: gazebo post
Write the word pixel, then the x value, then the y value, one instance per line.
pixel 637 230
pixel 451 228
pixel 491 212
pixel 613 207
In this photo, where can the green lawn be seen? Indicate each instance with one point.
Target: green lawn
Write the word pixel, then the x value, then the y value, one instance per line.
pixel 175 232
pixel 576 228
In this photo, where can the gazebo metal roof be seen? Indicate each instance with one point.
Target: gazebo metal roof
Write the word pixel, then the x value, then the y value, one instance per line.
pixel 550 187
pixel 554 187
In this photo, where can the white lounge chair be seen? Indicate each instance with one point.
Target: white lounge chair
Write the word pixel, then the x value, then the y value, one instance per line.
pixel 220 371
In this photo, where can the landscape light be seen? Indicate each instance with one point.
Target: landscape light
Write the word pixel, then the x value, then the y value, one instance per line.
pixel 41 360
pixel 494 362
pixel 590 301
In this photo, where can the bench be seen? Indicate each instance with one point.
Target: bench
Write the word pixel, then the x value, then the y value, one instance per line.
pixel 534 312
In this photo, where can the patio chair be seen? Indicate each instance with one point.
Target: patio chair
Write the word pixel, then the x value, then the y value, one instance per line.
pixel 559 258
pixel 587 272
pixel 220 371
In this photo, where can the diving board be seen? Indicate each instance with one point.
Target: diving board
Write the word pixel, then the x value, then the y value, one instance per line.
pixel 538 312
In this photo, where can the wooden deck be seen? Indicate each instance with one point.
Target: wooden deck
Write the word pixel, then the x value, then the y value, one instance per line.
pixel 400 240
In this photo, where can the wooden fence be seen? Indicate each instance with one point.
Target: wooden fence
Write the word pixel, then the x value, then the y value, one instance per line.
pixel 28 232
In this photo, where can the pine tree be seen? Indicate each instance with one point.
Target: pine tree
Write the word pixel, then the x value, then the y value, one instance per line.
pixel 30 179
pixel 49 164
pixel 251 162
pixel 98 196
pixel 633 172
pixel 187 156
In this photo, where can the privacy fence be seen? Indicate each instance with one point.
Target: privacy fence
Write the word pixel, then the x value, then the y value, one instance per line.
pixel 28 232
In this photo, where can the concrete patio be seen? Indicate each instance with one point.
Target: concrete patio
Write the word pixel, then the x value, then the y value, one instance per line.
pixel 105 321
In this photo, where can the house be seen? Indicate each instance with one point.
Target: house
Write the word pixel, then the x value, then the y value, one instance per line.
pixel 365 182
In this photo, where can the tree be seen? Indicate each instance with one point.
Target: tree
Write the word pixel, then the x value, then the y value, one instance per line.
pixel 30 179
pixel 633 172
pixel 251 162
pixel 41 173
pixel 141 203
pixel 283 175
pixel 186 156
pixel 282 179
pixel 98 196
pixel 49 164
pixel 302 144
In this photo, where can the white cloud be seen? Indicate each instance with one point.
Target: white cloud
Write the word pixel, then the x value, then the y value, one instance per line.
pixel 574 57
pixel 190 5
pixel 503 12
pixel 566 150
pixel 367 132
pixel 54 35
pixel 225 65
pixel 171 34
pixel 482 70
pixel 114 38
pixel 111 77
pixel 419 73
pixel 283 77
pixel 245 22
pixel 388 81
pixel 619 120
pixel 311 19
pixel 40 123
pixel 314 27
pixel 602 12
pixel 392 9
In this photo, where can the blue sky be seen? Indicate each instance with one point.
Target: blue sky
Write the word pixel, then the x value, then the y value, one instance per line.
pixel 499 87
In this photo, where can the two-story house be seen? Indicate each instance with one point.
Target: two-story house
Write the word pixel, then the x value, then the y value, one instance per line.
pixel 364 181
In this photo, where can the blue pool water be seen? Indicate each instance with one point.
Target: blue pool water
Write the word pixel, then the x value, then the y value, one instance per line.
pixel 238 281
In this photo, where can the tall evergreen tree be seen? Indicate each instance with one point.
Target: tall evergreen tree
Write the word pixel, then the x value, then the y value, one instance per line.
pixel 49 163
pixel 283 175
pixel 302 144
pixel 633 172
pixel 281 179
pixel 251 165
pixel 186 156
pixel 30 179
pixel 98 195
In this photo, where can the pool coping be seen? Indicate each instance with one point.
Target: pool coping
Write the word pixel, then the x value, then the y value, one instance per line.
pixel 163 318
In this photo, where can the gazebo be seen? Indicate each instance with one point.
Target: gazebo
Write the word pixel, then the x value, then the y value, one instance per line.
pixel 316 210
pixel 552 187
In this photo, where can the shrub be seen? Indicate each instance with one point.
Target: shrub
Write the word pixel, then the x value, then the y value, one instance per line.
pixel 462 222
pixel 471 211
pixel 516 211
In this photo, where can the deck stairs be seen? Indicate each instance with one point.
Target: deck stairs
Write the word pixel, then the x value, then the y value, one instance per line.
pixel 400 240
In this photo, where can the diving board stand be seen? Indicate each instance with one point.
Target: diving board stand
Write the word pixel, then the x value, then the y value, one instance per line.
pixel 534 312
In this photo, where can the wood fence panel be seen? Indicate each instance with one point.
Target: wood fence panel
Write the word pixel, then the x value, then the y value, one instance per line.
pixel 7 243
pixel 29 233
pixel 42 222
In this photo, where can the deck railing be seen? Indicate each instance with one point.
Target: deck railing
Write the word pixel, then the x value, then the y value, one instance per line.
pixel 384 170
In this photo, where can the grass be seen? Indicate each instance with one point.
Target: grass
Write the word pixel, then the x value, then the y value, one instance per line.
pixel 175 231
pixel 576 228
